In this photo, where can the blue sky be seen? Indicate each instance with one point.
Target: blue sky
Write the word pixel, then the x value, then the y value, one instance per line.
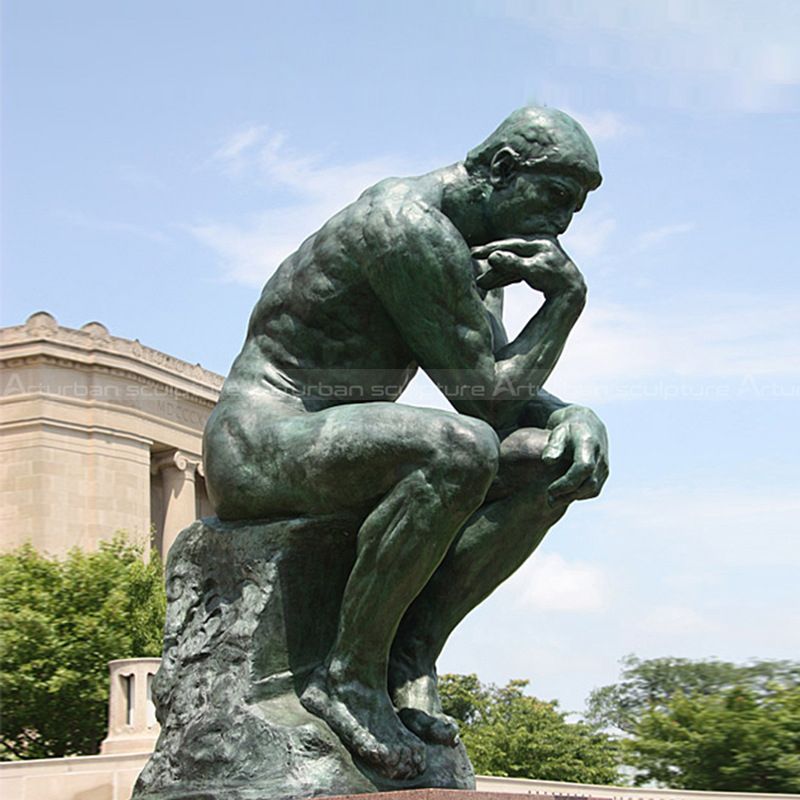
pixel 159 159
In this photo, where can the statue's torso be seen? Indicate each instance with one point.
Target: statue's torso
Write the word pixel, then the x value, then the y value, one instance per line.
pixel 318 333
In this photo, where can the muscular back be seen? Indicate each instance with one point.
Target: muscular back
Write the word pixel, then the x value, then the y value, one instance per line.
pixel 320 332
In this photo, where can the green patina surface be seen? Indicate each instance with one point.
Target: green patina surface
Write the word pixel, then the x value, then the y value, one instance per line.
pixel 416 515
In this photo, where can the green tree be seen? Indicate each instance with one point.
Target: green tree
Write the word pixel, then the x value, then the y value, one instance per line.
pixel 651 684
pixel 509 733
pixel 735 740
pixel 61 621
pixel 706 725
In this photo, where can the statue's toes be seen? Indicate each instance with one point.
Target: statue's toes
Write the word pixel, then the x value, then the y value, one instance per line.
pixel 439 729
pixel 388 747
pixel 314 697
pixel 410 761
pixel 400 762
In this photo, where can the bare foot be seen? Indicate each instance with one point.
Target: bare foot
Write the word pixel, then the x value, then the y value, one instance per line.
pixel 418 705
pixel 365 721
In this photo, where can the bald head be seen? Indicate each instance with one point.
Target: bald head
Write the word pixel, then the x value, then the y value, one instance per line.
pixel 542 138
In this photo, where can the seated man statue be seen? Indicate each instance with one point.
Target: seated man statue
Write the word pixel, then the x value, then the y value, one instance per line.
pixel 447 504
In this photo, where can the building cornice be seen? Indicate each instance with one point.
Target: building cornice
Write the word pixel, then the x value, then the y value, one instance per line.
pixel 92 345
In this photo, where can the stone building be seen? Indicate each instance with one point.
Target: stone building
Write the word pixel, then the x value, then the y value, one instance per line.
pixel 97 434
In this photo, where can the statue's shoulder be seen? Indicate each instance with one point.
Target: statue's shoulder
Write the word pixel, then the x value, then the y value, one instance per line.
pixel 390 190
pixel 374 208
pixel 401 210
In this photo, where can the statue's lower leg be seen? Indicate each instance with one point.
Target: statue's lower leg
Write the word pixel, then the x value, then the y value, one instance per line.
pixel 494 543
pixel 349 691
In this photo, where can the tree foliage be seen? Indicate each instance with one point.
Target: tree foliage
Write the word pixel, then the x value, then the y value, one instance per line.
pixel 648 684
pixel 707 725
pixel 737 740
pixel 509 733
pixel 61 621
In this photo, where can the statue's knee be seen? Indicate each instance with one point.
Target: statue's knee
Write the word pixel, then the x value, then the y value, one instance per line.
pixel 468 455
pixel 522 466
pixel 226 485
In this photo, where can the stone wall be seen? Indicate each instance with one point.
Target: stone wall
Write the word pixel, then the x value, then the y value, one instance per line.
pixel 98 434
pixel 112 778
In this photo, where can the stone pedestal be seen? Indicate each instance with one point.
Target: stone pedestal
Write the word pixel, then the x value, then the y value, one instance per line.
pixel 252 610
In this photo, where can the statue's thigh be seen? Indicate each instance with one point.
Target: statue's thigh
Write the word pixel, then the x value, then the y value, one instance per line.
pixel 339 459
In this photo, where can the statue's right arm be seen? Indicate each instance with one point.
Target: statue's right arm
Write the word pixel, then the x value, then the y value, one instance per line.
pixel 421 270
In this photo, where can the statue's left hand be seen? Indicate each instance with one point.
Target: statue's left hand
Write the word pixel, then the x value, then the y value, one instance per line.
pixel 576 433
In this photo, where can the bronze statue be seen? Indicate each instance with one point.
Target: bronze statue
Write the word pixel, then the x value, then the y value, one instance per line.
pixel 354 533
pixel 410 276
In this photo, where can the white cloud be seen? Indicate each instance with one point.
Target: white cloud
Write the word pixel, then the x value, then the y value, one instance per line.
pixel 739 55
pixel 589 235
pixel 708 526
pixel 655 236
pixel 548 582
pixel 746 348
pixel 668 620
pixel 252 250
pixel 234 148
pixel 274 163
pixel 91 223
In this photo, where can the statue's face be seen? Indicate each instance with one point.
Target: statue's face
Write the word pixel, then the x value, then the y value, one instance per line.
pixel 530 203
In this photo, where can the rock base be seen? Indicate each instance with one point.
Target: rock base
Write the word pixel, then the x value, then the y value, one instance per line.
pixel 252 611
